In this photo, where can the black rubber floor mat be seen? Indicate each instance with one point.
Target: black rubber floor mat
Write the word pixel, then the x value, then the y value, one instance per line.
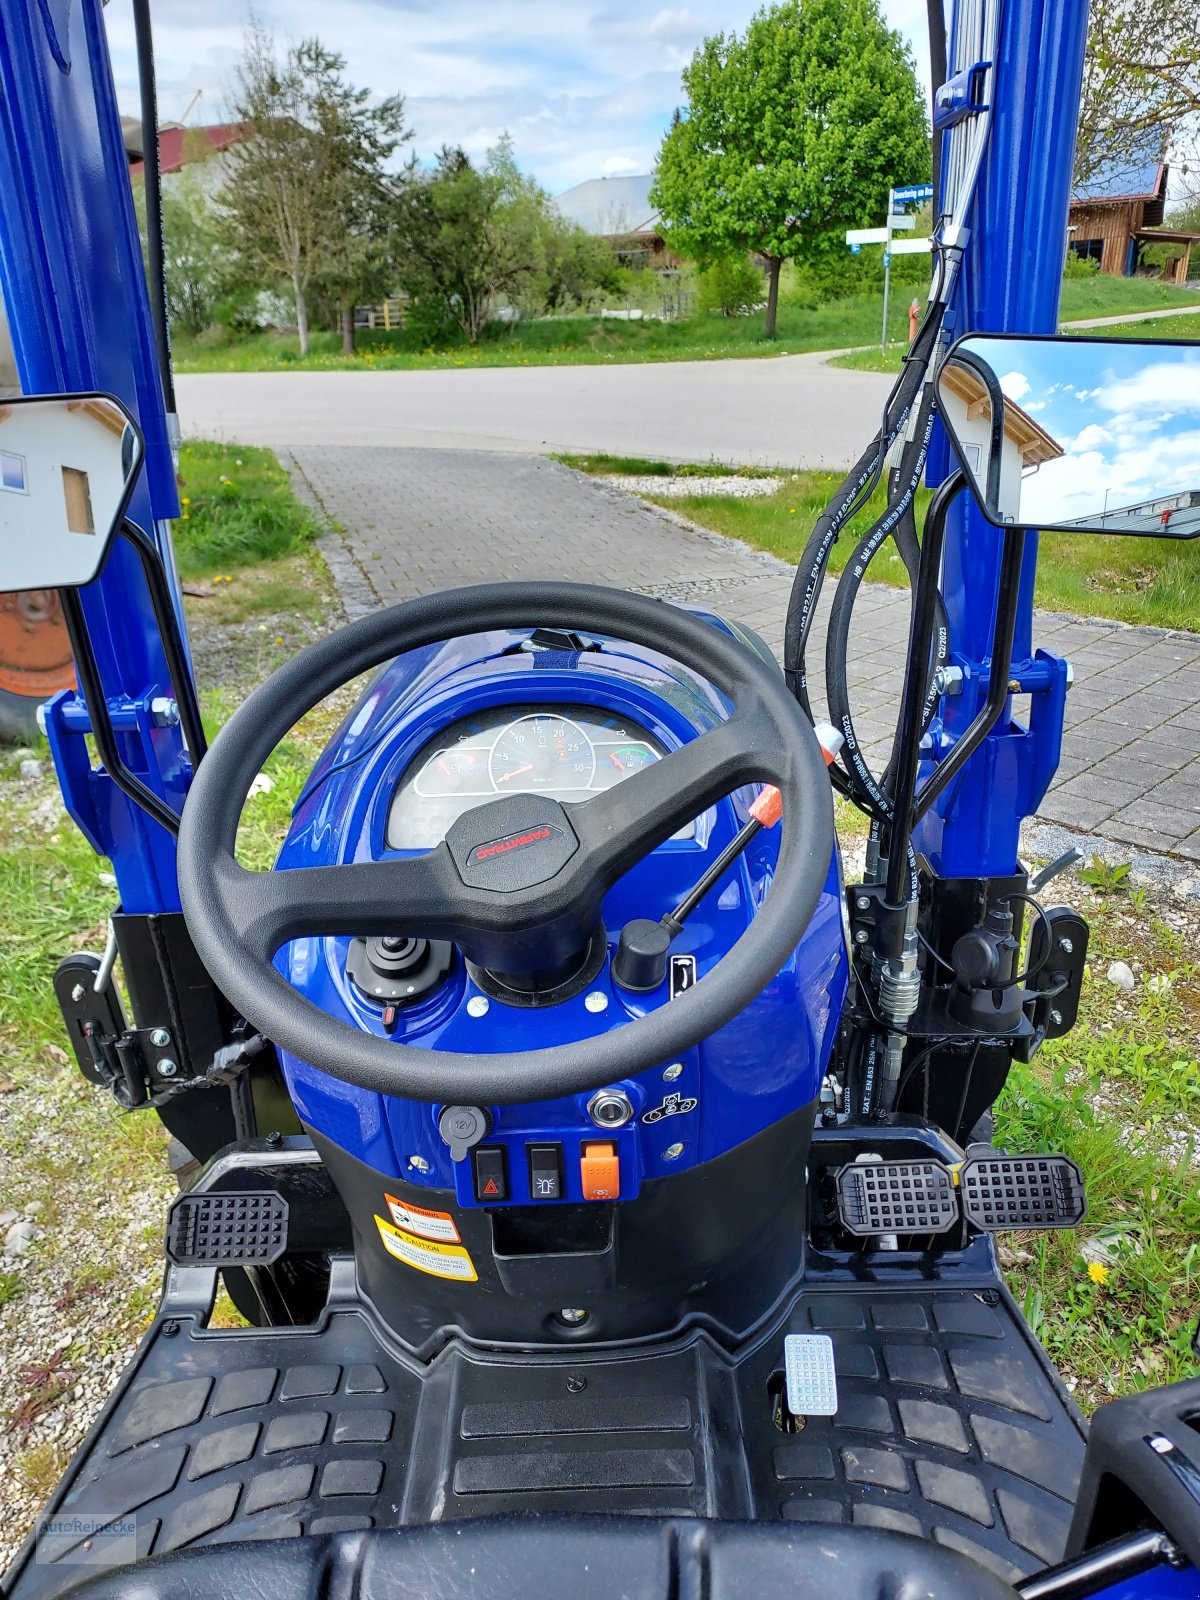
pixel 949 1425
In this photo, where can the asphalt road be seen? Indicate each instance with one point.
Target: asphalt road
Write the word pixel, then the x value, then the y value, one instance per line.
pixel 772 411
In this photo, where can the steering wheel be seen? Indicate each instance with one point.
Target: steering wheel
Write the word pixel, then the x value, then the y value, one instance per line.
pixel 518 882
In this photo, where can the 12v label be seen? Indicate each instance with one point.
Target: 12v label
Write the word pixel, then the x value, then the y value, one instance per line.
pixel 439 1260
pixel 438 1225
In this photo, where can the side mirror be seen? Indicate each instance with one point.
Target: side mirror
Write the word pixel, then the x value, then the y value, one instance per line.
pixel 68 464
pixel 1078 435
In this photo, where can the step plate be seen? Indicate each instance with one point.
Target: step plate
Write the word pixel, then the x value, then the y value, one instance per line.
pixel 1022 1192
pixel 227 1230
pixel 879 1197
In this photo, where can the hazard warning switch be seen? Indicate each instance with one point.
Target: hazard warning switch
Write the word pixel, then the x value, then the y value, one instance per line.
pixel 491 1173
pixel 600 1172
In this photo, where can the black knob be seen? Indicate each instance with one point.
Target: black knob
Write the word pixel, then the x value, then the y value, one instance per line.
pixel 641 960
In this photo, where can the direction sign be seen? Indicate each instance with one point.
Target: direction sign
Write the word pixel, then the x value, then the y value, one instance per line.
pixel 916 192
pixel 877 235
pixel 910 247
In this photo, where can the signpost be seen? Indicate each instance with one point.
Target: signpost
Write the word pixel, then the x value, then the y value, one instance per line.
pixel 913 194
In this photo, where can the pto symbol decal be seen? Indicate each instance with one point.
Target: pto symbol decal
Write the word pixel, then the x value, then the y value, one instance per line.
pixel 674 1105
pixel 683 975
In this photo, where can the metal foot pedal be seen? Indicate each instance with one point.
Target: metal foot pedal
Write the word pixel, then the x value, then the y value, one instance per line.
pixel 810 1375
pixel 1021 1191
pixel 896 1197
pixel 227 1230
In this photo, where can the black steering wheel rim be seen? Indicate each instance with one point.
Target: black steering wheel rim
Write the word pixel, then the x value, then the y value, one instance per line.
pixel 215 891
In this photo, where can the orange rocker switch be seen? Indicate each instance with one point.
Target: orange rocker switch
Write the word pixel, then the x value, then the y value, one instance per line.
pixel 600 1172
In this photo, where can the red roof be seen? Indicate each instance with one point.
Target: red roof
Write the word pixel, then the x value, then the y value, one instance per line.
pixel 171 144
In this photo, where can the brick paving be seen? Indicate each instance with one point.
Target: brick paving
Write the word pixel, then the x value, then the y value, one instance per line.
pixel 415 520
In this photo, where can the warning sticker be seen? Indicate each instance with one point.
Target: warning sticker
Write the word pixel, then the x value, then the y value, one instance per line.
pixel 440 1260
pixel 427 1224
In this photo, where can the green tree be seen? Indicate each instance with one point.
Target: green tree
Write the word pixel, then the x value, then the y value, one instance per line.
pixel 1141 82
pixel 305 194
pixel 465 238
pixel 791 134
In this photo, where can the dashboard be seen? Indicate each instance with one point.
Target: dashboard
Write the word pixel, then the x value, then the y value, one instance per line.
pixel 569 751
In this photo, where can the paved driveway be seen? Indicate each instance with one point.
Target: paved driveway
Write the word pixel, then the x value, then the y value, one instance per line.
pixel 417 520
pixel 774 411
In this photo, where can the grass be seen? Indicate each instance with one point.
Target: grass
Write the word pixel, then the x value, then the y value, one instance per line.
pixel 238 510
pixel 1160 328
pixel 600 341
pixel 1152 582
pixel 559 341
pixel 1121 1095
pixel 1096 296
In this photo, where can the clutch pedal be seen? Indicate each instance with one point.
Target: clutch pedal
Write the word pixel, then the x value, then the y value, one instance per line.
pixel 877 1197
pixel 1021 1191
pixel 247 1229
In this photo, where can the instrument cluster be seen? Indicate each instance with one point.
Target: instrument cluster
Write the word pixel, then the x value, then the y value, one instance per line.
pixel 569 751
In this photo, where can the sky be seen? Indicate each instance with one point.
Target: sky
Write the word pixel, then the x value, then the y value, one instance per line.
pixel 585 88
pixel 1126 416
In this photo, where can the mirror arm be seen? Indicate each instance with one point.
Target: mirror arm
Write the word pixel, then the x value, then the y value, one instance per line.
pixel 163 604
pixel 1003 634
pixel 92 690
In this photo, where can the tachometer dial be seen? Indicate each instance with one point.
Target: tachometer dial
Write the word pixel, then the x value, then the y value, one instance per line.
pixel 542 752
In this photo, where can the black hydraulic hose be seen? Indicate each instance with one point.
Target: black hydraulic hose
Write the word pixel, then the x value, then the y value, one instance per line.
pixel 920 639
pixel 152 180
pixel 855 487
pixel 898 522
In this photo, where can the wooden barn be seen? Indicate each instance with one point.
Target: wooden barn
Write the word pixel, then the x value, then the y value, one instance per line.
pixel 1116 219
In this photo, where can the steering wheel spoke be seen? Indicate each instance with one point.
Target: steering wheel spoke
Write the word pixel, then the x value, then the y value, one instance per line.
pixel 620 826
pixel 400 895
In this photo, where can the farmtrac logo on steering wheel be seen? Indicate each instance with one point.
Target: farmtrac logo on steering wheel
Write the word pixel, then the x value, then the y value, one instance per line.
pixel 511 842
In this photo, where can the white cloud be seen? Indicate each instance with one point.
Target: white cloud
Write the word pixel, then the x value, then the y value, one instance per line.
pixel 1014 385
pixel 583 87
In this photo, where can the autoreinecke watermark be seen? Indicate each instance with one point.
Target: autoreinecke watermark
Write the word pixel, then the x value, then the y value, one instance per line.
pixel 81 1537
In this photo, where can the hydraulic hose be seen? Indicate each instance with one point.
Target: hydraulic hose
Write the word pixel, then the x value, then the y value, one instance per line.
pixel 855 488
pixel 898 523
pixel 152 177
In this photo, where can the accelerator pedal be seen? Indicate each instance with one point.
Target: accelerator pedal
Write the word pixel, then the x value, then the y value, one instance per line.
pixel 876 1197
pixel 246 1229
pixel 1001 1191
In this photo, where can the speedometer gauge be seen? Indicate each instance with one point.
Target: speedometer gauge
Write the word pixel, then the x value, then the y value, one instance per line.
pixel 569 751
pixel 542 752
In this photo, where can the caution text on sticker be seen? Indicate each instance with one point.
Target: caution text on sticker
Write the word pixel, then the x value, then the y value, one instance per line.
pixel 425 1255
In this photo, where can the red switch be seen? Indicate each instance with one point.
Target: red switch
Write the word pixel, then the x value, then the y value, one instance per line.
pixel 600 1172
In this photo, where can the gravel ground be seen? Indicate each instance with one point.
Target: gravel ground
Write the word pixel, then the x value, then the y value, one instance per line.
pixel 686 488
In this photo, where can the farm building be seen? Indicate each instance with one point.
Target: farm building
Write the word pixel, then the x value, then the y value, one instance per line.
pixel 1116 219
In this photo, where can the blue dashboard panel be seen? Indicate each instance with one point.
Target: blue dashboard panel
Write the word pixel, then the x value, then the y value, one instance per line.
pixel 765 1064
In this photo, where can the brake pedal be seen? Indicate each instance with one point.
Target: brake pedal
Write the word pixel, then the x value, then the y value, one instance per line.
pixel 227 1230
pixel 876 1197
pixel 1001 1192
